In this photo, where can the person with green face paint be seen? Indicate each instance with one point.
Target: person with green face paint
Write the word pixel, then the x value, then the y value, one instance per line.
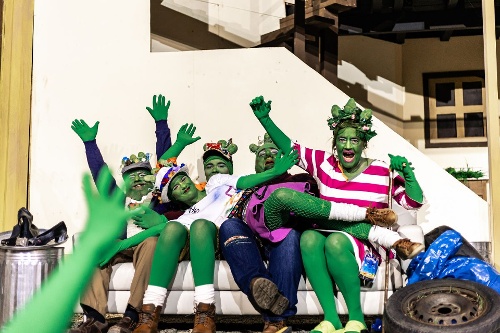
pixel 207 209
pixel 333 256
pixel 136 170
pixel 218 158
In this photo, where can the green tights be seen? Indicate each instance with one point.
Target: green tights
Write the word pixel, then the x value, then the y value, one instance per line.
pixel 170 244
pixel 282 201
pixel 202 245
pixel 330 259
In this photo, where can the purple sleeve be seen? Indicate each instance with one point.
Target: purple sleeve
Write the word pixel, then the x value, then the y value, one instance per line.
pixel 95 161
pixel 163 138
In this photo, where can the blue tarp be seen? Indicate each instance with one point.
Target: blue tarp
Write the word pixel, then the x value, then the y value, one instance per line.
pixel 439 262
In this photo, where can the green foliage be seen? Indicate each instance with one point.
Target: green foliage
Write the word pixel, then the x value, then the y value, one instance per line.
pixel 462 174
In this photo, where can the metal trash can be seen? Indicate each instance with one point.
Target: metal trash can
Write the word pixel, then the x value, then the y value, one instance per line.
pixel 22 270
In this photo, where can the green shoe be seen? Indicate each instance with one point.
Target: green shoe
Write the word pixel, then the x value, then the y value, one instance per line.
pixel 324 327
pixel 354 326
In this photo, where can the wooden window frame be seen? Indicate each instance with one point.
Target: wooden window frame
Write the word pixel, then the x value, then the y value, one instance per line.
pixel 430 128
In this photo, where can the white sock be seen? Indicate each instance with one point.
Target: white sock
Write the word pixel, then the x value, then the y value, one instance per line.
pixel 204 294
pixel 346 212
pixel 155 295
pixel 383 236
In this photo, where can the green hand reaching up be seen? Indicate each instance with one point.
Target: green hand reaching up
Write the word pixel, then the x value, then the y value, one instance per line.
pixel 84 131
pixel 185 135
pixel 405 170
pixel 260 107
pixel 160 109
pixel 184 138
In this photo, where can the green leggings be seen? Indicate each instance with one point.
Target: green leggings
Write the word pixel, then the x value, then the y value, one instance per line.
pixel 203 242
pixel 170 243
pixel 328 260
pixel 282 201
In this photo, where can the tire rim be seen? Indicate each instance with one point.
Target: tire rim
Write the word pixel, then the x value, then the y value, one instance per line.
pixel 444 306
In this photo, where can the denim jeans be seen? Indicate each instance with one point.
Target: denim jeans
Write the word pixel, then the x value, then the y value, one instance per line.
pixel 241 251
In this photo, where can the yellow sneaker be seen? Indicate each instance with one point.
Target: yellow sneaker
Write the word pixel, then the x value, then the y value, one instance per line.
pixel 324 327
pixel 354 326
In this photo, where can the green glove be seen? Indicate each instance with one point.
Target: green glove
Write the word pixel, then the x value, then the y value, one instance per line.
pixel 147 218
pixel 84 131
pixel 121 245
pixel 184 139
pixel 106 221
pixel 281 165
pixel 261 110
pixel 405 170
pixel 160 109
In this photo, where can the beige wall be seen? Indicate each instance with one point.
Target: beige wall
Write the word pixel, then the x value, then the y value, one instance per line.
pixel 370 71
pixel 388 78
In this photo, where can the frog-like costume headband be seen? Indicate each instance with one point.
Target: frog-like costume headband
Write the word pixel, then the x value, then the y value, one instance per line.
pixel 221 149
pixel 139 161
pixel 352 116
pixel 264 143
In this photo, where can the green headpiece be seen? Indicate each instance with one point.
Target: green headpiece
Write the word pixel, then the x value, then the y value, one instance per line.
pixel 359 119
pixel 220 149
pixel 139 161
pixel 266 142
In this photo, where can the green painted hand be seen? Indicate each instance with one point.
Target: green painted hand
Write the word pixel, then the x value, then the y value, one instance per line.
pixel 146 218
pixel 84 131
pixel 401 165
pixel 405 170
pixel 160 109
pixel 107 215
pixel 185 135
pixel 260 107
pixel 285 162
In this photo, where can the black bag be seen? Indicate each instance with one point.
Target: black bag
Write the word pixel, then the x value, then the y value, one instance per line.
pixel 25 233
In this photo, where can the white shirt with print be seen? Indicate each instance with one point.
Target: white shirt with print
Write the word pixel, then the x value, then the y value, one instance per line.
pixel 222 195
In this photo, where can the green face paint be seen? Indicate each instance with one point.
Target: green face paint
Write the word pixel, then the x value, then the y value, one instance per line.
pixel 349 148
pixel 265 156
pixel 215 165
pixel 183 189
pixel 140 183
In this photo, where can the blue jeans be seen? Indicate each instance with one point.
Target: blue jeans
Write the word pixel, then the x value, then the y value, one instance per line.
pixel 241 251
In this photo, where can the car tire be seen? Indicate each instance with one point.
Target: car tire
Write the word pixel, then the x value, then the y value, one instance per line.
pixel 446 305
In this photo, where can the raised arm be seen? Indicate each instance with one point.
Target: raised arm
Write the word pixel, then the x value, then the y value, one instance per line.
pixel 73 273
pixel 261 110
pixel 94 157
pixel 159 112
pixel 281 165
pixel 405 170
pixel 184 139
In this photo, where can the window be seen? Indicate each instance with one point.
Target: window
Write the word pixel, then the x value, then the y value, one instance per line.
pixel 454 109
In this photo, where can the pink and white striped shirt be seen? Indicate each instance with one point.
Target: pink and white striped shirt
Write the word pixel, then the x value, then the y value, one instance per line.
pixel 369 189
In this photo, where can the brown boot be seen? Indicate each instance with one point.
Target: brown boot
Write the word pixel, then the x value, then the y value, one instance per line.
pixel 406 249
pixel 204 318
pixel 148 319
pixel 265 296
pixel 383 217
pixel 276 327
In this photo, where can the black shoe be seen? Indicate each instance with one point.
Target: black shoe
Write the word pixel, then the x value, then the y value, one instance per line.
pixel 90 326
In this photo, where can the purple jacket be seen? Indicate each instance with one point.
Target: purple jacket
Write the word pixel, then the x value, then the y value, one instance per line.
pixel 254 216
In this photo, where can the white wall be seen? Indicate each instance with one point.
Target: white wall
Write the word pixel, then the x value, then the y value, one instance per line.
pixel 92 61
